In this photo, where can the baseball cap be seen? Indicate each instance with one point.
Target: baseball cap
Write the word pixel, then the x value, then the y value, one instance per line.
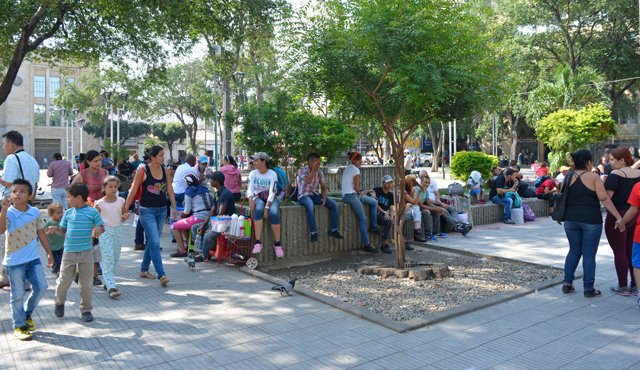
pixel 564 168
pixel 204 159
pixel 387 178
pixel 261 155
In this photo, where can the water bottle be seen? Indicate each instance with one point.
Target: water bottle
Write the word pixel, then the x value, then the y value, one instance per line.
pixel 241 226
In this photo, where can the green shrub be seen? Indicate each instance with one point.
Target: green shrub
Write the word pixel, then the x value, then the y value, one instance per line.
pixel 462 163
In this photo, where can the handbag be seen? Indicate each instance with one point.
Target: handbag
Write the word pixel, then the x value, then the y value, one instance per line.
pixel 560 200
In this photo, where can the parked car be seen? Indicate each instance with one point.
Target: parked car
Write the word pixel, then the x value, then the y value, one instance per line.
pixel 425 159
pixel 371 159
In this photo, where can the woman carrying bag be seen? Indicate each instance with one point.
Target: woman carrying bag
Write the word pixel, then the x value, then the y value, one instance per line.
pixel 584 190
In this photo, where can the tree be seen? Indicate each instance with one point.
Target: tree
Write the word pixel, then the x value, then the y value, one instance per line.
pixel 568 130
pixel 169 133
pixel 87 31
pixel 401 63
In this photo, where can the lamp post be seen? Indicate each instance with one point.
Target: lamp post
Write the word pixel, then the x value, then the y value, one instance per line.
pixel 66 132
pixel 81 126
pixel 75 118
pixel 215 51
pixel 238 77
pixel 123 98
pixel 109 108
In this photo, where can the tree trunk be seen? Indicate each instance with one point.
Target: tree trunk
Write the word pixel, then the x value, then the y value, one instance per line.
pixel 398 221
pixel 435 142
pixel 513 123
pixel 170 147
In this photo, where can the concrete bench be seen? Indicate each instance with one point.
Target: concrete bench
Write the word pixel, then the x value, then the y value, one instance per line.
pixel 489 213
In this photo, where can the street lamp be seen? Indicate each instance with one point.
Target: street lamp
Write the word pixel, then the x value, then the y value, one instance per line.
pixel 81 122
pixel 66 129
pixel 238 77
pixel 75 118
pixel 109 110
pixel 215 52
pixel 123 98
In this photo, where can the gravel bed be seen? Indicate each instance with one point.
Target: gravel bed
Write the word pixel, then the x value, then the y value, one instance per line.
pixel 472 278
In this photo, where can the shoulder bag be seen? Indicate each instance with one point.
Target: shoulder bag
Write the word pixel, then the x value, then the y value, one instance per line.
pixel 560 200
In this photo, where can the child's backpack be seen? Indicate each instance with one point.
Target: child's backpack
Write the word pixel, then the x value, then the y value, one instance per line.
pixel 528 213
pixel 540 180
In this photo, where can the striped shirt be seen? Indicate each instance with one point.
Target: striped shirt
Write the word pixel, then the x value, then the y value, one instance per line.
pixel 79 223
pixel 305 188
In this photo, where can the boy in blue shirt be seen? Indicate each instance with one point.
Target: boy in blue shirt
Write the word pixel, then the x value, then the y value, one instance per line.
pixel 23 225
pixel 79 225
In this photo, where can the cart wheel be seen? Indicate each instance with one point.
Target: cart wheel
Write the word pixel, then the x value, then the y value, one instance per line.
pixel 252 263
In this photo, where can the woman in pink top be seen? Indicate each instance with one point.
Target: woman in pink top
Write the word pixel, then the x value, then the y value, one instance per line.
pixel 93 176
pixel 59 170
pixel 232 176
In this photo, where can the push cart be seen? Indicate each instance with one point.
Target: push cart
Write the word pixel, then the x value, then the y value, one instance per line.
pixel 234 250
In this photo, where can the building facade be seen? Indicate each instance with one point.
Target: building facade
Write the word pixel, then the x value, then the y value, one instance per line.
pixel 30 109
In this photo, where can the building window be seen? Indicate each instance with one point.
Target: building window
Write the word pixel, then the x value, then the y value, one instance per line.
pixel 39 115
pixel 54 116
pixel 54 85
pixel 71 80
pixel 39 87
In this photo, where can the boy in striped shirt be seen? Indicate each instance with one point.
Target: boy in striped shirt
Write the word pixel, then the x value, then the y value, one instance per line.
pixel 79 225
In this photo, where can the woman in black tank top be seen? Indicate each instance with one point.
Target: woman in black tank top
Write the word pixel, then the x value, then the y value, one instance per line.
pixel 155 186
pixel 583 221
pixel 619 184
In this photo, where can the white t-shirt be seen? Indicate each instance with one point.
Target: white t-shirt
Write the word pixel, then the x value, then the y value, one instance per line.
pixel 408 162
pixel 433 187
pixel 347 179
pixel 262 182
pixel 111 212
pixel 179 185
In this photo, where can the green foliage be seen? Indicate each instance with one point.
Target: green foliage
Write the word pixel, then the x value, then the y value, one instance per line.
pixel 462 163
pixel 169 134
pixel 568 130
pixel 284 130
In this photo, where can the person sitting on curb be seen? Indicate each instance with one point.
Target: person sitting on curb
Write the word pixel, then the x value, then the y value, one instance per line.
pixel 499 189
pixel 475 186
pixel 429 211
pixel 197 204
pixel 448 212
pixel 385 210
pixel 412 211
pixel 223 205
pixel 263 201
pixel 351 195
pixel 546 190
pixel 310 177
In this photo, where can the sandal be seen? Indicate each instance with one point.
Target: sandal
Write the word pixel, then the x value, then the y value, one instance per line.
pixel 279 251
pixel 113 293
pixel 147 275
pixel 164 281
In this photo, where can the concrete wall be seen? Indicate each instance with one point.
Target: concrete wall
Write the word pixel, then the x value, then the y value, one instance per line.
pixel 370 176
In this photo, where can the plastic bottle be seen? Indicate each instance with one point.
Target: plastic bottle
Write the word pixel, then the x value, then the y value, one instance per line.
pixel 234 225
pixel 241 226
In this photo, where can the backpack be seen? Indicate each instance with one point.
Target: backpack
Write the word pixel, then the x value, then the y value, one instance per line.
pixel 456 189
pixel 540 180
pixel 528 212
pixel 282 180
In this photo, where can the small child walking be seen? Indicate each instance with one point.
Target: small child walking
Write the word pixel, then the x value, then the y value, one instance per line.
pixel 79 225
pixel 56 242
pixel 23 226
pixel 110 208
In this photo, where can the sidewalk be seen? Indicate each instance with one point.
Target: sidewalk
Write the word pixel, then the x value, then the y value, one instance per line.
pixel 218 317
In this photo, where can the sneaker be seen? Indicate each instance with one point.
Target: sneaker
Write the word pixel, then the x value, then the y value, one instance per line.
pixel 590 293
pixel 568 288
pixel 621 290
pixel 386 249
pixel 408 247
pixel 97 281
pixel 336 234
pixel 164 281
pixel 509 222
pixel 147 275
pixel 22 333
pixel 633 290
pixel 279 251
pixel 419 237
pixel 314 237
pixel 370 249
pixel 114 293
pixel 59 310
pixel 433 238
pixel 138 247
pixel 31 325
pixel 178 254
pixel 257 248
pixel 442 235
pixel 87 317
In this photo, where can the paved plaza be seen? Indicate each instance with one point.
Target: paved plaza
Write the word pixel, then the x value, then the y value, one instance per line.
pixel 219 317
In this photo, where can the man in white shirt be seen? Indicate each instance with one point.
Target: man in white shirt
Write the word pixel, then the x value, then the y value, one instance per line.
pixel 408 162
pixel 179 183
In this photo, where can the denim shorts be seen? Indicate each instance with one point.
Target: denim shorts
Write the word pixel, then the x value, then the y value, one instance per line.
pixel 635 255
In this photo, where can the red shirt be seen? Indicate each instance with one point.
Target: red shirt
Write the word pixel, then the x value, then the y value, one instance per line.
pixel 542 171
pixel 545 184
pixel 634 200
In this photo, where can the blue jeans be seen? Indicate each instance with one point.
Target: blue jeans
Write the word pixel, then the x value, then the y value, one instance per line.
pixel 274 211
pixel 152 220
pixel 355 201
pixel 308 201
pixel 59 195
pixel 507 203
pixel 139 234
pixel 583 242
pixel 21 308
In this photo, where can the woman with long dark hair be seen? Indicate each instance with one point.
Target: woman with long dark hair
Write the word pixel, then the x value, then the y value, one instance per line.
pixel 583 221
pixel 232 176
pixel 619 184
pixel 156 186
pixel 93 175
